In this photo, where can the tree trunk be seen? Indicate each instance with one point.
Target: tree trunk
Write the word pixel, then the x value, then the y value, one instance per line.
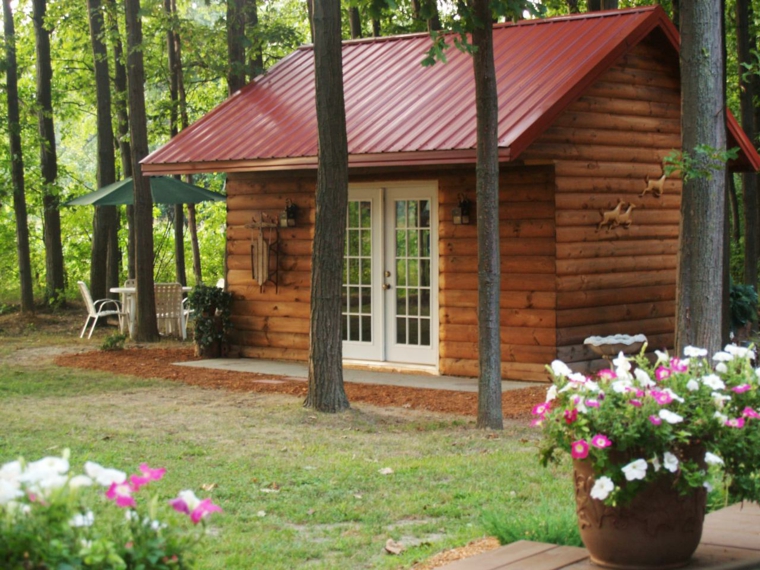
pixel 700 287
pixel 487 199
pixel 749 179
pixel 255 55
pixel 609 4
pixel 310 15
pixel 147 329
pixel 736 231
pixel 325 392
pixel 192 229
pixel 572 6
pixel 354 22
pixel 594 5
pixel 677 13
pixel 235 45
pixel 17 162
pixel 122 125
pixel 55 284
pixel 106 217
pixel 429 11
pixel 375 28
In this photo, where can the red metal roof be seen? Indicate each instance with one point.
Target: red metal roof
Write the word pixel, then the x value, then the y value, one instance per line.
pixel 399 112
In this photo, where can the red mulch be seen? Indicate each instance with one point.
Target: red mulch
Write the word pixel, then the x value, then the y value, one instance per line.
pixel 157 363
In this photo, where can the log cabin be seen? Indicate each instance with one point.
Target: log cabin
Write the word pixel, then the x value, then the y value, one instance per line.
pixel 589 106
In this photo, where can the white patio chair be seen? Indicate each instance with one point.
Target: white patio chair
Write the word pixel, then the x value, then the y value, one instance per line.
pixel 97 309
pixel 170 312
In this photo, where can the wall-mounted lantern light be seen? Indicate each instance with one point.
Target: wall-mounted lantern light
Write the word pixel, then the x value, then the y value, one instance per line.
pixel 288 215
pixel 461 214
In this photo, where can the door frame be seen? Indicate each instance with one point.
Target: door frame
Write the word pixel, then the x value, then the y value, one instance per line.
pixel 377 191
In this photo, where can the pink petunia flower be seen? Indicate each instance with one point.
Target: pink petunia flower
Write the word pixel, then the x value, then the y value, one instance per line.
pixel 571 416
pixel 204 508
pixel 606 374
pixel 179 505
pixel 750 413
pixel 662 373
pixel 635 403
pixel 137 481
pixel 579 449
pixel 537 422
pixel 601 441
pixel 741 388
pixel 121 494
pixel 152 474
pixel 655 420
pixel 678 365
pixel 661 398
pixel 592 403
pixel 541 409
pixel 735 423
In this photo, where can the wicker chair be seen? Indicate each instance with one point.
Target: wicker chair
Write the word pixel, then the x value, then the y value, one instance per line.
pixel 170 313
pixel 97 309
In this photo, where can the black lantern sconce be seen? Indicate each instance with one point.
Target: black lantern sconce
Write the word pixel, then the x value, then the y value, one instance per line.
pixel 288 215
pixel 461 214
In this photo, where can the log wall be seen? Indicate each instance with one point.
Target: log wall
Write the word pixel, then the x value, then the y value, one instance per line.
pixel 276 325
pixel 603 147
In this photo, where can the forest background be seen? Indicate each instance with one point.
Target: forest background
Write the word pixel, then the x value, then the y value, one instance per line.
pixel 208 60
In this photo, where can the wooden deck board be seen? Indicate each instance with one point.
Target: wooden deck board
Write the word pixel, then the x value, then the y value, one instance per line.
pixel 731 534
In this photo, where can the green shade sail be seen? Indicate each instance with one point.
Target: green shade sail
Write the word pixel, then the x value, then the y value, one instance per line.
pixel 165 190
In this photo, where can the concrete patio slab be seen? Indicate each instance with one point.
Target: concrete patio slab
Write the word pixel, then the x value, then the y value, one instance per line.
pixel 299 371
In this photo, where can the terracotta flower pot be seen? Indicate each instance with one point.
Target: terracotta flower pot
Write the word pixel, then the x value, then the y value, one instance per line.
pixel 658 529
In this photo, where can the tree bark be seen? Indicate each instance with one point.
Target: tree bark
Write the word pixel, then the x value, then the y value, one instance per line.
pixel 734 202
pixel 255 54
pixel 192 229
pixel 325 391
pixel 122 124
pixel 310 15
pixel 749 179
pixel 55 283
pixel 17 163
pixel 147 329
pixel 354 22
pixel 677 13
pixel 106 217
pixel 487 199
pixel 572 6
pixel 376 28
pixel 594 5
pixel 700 286
pixel 235 45
pixel 609 4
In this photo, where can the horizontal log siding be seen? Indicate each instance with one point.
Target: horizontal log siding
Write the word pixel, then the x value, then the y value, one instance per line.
pixel 603 147
pixel 268 324
pixel 528 282
pixel 275 325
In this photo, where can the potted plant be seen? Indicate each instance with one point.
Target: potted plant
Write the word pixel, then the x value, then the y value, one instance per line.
pixel 211 306
pixel 646 439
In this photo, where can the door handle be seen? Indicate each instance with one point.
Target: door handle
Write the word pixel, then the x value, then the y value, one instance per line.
pixel 387 273
pixel 386 286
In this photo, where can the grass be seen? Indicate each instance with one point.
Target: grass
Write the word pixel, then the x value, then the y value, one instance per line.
pixel 331 509
pixel 552 523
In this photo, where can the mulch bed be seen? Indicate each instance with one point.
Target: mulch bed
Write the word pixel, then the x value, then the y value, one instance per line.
pixel 158 363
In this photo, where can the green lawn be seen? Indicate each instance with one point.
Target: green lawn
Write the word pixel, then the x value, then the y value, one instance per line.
pixel 331 509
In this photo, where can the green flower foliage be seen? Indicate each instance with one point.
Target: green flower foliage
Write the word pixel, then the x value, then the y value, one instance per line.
pixel 211 306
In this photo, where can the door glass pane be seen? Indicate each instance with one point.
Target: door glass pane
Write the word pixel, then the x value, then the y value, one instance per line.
pixel 357 273
pixel 413 272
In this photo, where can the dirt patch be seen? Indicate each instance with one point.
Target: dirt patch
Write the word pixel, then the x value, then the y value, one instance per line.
pixel 452 555
pixel 158 363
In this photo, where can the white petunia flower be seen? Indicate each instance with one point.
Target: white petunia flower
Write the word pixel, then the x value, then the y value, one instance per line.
pixel 722 418
pixel 692 385
pixel 713 381
pixel 11 471
pixel 662 356
pixel 560 368
pixel 720 399
pixel 82 520
pixel 577 377
pixel 670 462
pixel 9 491
pixel 621 362
pixel 712 459
pixel 721 367
pixel 723 357
pixel 621 386
pixel 104 476
pixel 656 464
pixel 591 386
pixel 670 417
pixel 645 381
pixel 190 499
pixel 693 351
pixel 602 488
pixel 551 393
pixel 635 470
pixel 673 395
pixel 80 481
pixel 739 351
pixel 45 468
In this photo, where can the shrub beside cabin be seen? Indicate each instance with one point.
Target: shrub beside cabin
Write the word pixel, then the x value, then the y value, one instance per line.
pixel 589 105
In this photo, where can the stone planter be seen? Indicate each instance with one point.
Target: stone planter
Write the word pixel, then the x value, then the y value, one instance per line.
pixel 659 529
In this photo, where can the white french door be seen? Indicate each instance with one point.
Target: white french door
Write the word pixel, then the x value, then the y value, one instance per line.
pixel 390 274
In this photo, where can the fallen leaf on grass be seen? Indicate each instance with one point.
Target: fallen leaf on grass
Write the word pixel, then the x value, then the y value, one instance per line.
pixel 385 471
pixel 393 547
pixel 209 486
pixel 261 514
